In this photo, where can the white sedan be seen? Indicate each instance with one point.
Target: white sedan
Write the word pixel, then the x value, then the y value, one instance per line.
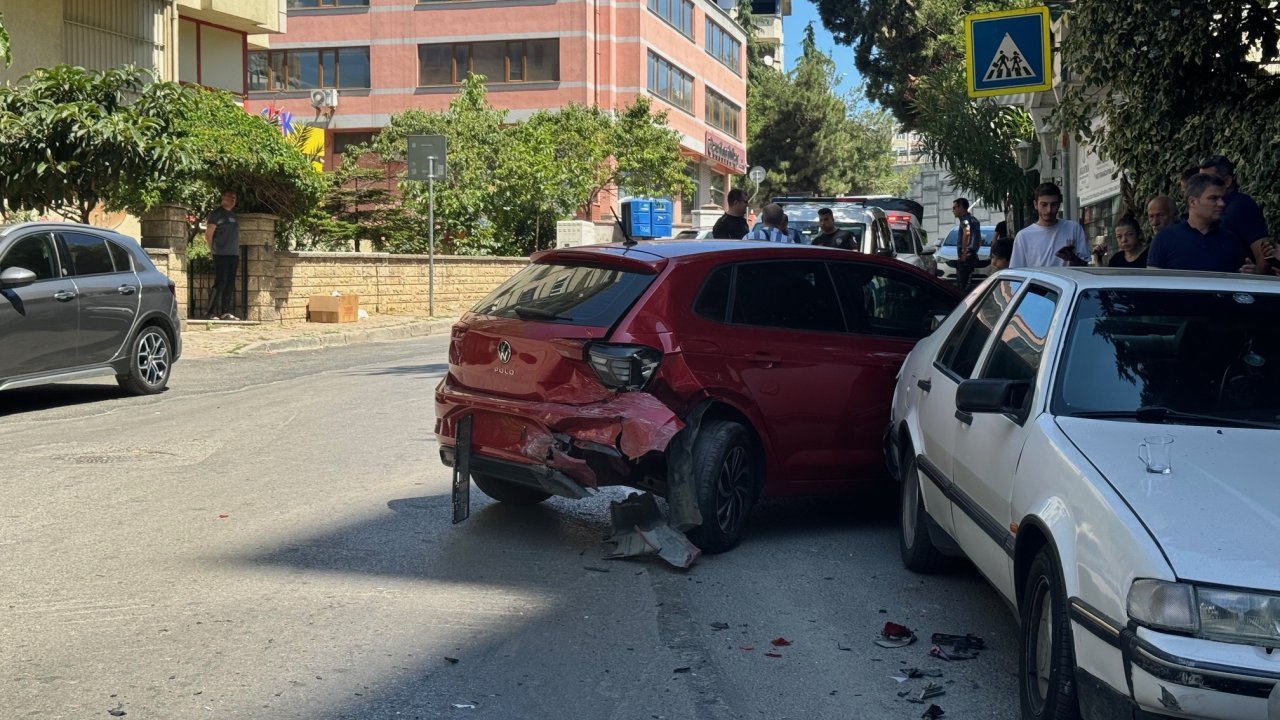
pixel 1104 445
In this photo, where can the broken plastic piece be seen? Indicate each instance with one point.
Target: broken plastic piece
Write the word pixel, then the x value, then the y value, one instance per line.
pixel 639 529
pixel 959 642
pixel 452 661
pixel 748 648
pixel 779 642
pixel 465 706
pixel 933 712
pixel 684 669
pixel 951 655
pixel 895 636
pixel 930 690
pixel 720 625
pixel 773 654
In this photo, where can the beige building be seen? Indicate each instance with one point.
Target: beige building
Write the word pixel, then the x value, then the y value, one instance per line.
pixel 197 41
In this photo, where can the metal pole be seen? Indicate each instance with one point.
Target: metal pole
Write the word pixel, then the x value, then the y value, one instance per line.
pixel 431 236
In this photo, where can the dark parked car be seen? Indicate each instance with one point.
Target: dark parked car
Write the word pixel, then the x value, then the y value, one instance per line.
pixel 708 371
pixel 78 302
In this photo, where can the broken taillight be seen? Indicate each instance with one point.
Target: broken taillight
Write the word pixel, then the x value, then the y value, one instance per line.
pixel 623 367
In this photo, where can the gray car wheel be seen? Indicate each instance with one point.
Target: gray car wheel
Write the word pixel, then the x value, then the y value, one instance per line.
pixel 150 362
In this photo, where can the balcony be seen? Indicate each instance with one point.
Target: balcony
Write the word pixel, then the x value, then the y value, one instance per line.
pixel 247 16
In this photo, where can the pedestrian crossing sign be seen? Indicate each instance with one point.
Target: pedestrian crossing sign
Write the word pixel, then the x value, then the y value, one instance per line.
pixel 1008 52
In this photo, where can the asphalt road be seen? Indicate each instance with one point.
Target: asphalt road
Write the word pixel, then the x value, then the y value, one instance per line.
pixel 271 538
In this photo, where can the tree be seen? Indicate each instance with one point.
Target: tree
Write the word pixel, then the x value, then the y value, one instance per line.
pixel 911 56
pixel 1169 85
pixel 70 137
pixel 811 139
pixel 5 53
pixel 505 185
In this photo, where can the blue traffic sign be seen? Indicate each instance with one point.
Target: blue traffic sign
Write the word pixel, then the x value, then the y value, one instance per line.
pixel 1008 52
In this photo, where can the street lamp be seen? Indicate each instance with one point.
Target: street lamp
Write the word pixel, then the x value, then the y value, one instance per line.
pixel 757 177
pixel 1026 154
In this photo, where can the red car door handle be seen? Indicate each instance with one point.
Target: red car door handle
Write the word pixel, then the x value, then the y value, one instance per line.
pixel 764 358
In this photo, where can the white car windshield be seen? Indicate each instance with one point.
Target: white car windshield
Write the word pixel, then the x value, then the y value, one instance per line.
pixel 1173 356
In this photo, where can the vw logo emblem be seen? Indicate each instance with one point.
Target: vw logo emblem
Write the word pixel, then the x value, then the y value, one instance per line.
pixel 504 352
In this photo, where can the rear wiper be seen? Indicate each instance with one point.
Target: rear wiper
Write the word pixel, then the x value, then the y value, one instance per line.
pixel 532 313
pixel 1157 414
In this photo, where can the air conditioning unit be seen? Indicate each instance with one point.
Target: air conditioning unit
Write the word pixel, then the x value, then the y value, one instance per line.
pixel 324 99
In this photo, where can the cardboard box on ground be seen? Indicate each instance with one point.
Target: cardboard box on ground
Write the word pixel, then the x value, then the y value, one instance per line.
pixel 333 308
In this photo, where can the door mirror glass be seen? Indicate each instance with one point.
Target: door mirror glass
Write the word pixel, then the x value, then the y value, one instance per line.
pixel 928 250
pixel 16 277
pixel 991 396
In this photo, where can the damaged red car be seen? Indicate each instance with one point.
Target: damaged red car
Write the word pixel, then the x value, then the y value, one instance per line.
pixel 710 373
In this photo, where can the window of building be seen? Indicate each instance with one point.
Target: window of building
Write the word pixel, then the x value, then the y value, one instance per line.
pixel 504 61
pixel 304 4
pixel 723 46
pixel 722 114
pixel 346 68
pixel 679 13
pixel 345 139
pixel 670 83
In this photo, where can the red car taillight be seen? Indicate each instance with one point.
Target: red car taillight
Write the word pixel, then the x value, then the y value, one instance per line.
pixel 623 367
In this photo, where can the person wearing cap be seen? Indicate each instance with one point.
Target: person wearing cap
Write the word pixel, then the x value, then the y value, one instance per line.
pixel 1242 216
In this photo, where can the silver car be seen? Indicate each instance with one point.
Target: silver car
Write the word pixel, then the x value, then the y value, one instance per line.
pixel 79 302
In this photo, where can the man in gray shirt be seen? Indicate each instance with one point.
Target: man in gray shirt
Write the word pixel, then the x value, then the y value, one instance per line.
pixel 222 234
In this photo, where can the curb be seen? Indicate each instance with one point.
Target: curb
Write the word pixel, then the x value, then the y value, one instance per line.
pixel 351 337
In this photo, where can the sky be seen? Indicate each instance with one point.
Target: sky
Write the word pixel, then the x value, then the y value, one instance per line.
pixel 802 12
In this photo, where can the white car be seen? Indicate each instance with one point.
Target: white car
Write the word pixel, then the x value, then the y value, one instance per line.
pixel 949 254
pixel 1025 432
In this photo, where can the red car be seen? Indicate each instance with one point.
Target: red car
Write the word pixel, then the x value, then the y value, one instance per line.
pixel 707 372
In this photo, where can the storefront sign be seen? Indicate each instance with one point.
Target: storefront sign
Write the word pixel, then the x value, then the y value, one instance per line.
pixel 1096 179
pixel 726 154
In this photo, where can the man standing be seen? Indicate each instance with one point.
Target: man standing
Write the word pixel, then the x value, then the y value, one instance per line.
pixel 793 235
pixel 733 224
pixel 829 235
pixel 1242 216
pixel 222 234
pixel 1200 242
pixel 1049 242
pixel 968 240
pixel 1161 213
pixel 770 229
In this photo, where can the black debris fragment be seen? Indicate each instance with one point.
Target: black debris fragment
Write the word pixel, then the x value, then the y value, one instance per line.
pixel 683 669
pixel 959 642
pixel 720 626
pixel 933 712
pixel 930 690
pixel 451 660
pixel 593 568
pixel 117 711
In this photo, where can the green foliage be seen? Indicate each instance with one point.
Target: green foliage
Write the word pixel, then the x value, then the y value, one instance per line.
pixel 505 185
pixel 1171 84
pixel 811 139
pixel 71 139
pixel 911 57
pixel 5 54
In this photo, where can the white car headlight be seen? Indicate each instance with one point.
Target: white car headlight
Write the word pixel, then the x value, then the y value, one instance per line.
pixel 1236 616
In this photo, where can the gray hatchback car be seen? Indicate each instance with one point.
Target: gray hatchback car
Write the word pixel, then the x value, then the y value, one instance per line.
pixel 77 302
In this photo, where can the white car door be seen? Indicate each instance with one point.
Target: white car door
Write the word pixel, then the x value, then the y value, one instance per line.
pixel 936 399
pixel 988 446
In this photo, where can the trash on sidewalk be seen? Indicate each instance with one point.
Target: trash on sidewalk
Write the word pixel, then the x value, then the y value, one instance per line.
pixel 465 706
pixel 895 636
pixel 719 626
pixel 773 654
pixel 780 642
pixel 640 529
pixel 933 713
pixel 911 673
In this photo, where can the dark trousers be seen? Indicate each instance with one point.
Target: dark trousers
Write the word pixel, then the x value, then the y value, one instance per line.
pixel 964 270
pixel 222 296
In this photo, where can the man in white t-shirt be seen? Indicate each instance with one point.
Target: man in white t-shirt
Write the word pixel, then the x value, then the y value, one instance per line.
pixel 1050 242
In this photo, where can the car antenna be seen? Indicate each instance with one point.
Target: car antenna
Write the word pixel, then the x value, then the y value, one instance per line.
pixel 627 241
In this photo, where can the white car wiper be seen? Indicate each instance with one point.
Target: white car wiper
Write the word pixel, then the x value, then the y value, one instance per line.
pixel 1157 414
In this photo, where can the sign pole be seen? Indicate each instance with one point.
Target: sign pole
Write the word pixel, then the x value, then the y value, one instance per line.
pixel 431 236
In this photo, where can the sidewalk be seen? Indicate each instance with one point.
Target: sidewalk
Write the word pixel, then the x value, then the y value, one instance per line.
pixel 209 338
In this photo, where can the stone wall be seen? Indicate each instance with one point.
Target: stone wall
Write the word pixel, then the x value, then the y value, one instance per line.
pixel 387 284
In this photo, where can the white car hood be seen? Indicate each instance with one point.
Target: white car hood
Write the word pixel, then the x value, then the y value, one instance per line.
pixel 1217 515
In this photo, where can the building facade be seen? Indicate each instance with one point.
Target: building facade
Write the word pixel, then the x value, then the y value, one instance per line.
pixel 381 57
pixel 197 41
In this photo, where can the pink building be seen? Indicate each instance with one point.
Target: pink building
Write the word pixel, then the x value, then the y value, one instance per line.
pixel 385 56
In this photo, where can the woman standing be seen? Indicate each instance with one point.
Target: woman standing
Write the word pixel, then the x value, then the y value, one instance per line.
pixel 1133 247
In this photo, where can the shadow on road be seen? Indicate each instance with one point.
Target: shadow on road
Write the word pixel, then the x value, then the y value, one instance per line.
pixel 430 370
pixel 49 397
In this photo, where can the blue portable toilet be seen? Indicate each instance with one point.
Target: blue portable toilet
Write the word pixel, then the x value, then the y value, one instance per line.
pixel 647 218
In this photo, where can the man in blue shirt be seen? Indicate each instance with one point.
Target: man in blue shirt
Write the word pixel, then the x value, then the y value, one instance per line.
pixel 1242 216
pixel 1200 242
